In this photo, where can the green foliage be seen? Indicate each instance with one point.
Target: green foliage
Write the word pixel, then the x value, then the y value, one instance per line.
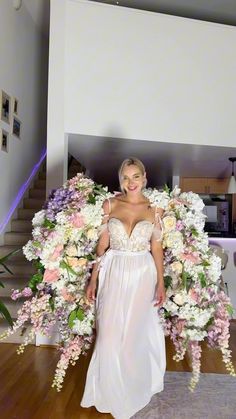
pixel 5 313
pixel 205 263
pixel 52 304
pixel 75 314
pixel 202 278
pixel 35 280
pixel 48 224
pixel 65 265
pixel 72 317
pixel 230 309
pixel 166 189
pixel 186 280
pixel 167 281
pixel 194 232
pixel 91 199
pixel 80 314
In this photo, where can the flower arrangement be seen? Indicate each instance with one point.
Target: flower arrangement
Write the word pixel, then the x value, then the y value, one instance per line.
pixel 64 237
pixel 195 308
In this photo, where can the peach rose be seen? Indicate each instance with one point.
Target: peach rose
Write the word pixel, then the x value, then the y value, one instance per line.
pixel 66 295
pixel 169 223
pixel 51 275
pixel 71 250
pixel 56 253
pixel 177 267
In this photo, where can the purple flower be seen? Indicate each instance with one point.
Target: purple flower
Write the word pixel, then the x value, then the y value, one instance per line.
pixel 27 292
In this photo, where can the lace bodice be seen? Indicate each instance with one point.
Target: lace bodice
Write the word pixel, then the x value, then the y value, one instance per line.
pixel 138 240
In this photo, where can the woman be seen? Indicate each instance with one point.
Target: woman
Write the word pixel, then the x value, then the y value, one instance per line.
pixel 128 362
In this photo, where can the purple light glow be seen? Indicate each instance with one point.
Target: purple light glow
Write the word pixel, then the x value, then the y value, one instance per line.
pixel 21 193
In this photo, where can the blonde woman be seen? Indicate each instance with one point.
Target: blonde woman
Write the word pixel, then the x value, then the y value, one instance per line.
pixel 128 362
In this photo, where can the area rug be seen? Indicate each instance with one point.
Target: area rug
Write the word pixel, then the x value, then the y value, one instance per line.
pixel 213 398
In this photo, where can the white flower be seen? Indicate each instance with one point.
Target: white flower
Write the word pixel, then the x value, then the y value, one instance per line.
pixel 38 218
pixel 179 299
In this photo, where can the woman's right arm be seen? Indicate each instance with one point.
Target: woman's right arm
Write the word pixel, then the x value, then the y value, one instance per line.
pixel 102 246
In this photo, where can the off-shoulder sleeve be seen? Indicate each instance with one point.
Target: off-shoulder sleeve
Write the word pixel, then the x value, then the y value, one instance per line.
pixel 104 226
pixel 158 230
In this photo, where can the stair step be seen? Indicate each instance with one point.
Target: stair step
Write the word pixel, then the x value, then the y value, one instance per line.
pixel 13 282
pixel 24 226
pixel 6 249
pixel 27 269
pixel 13 306
pixel 37 193
pixel 16 238
pixel 16 337
pixel 26 213
pixel 33 203
pixel 40 184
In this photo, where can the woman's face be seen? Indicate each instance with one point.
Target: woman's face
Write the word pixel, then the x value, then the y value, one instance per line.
pixel 132 179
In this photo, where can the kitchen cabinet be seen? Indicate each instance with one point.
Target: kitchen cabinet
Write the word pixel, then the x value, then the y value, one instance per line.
pixel 203 185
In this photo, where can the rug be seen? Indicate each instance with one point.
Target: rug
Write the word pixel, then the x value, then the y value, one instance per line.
pixel 213 398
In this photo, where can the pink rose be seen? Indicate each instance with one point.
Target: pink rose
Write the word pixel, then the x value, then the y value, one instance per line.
pixel 77 220
pixel 192 257
pixel 51 275
pixel 57 252
pixel 194 295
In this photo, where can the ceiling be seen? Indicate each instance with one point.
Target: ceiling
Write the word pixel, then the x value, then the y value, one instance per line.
pixel 163 160
pixel 220 11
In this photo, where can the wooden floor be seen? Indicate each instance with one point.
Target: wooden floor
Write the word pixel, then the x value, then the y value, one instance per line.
pixel 25 381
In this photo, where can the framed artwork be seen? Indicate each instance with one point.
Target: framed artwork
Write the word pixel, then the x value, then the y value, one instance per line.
pixel 4 140
pixel 16 127
pixel 15 106
pixel 5 107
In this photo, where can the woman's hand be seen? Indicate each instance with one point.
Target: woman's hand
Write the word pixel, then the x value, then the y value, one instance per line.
pixel 91 290
pixel 160 294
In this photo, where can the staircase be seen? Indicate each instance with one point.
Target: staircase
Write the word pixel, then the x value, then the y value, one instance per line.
pixel 22 269
pixel 20 233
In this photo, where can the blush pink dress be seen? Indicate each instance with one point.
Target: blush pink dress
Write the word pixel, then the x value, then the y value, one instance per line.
pixel 129 360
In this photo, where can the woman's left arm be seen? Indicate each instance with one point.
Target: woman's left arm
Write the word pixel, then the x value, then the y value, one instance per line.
pixel 157 253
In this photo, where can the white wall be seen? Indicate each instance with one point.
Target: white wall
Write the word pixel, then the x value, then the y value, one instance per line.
pixel 126 73
pixel 142 75
pixel 23 74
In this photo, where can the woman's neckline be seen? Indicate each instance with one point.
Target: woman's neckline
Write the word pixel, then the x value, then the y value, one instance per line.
pixel 133 229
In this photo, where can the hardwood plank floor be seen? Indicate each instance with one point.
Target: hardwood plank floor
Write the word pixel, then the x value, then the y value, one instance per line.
pixel 26 379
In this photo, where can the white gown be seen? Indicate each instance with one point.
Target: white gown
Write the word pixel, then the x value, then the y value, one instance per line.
pixel 129 361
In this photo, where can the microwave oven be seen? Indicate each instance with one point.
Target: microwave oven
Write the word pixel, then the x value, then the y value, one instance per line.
pixel 218 211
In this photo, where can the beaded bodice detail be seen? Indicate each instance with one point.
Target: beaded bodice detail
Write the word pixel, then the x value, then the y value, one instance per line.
pixel 138 240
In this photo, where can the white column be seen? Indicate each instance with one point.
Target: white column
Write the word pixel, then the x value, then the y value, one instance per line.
pixel 57 141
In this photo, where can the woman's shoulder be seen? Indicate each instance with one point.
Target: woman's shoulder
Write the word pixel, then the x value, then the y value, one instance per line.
pixel 109 203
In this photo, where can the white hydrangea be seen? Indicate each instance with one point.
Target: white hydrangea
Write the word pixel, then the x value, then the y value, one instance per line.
pixel 157 198
pixel 194 220
pixel 82 327
pixel 193 334
pixel 214 270
pixel 194 200
pixel 38 218
pixel 29 250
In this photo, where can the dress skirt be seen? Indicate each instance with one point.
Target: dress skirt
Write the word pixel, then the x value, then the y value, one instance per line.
pixel 129 361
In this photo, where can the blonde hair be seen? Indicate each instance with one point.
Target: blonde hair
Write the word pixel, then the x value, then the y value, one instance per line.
pixel 129 162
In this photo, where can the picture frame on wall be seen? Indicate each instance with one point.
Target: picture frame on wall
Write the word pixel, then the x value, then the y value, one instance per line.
pixel 4 140
pixel 15 105
pixel 16 127
pixel 5 104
